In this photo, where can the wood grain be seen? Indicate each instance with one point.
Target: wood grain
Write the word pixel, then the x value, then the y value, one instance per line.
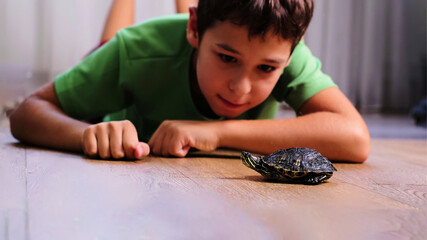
pixel 76 197
pixel 13 217
pixel 210 196
pixel 395 169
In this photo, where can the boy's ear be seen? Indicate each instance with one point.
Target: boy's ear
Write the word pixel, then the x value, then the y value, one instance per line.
pixel 192 32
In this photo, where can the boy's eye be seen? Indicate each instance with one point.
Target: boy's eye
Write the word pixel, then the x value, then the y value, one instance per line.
pixel 266 68
pixel 227 59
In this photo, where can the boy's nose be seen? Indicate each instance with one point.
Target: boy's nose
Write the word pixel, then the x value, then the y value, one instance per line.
pixel 240 85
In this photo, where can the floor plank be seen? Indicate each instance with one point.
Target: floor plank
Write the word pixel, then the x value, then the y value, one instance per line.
pixel 208 197
pixel 395 169
pixel 274 200
pixel 413 151
pixel 79 198
pixel 231 173
pixel 12 188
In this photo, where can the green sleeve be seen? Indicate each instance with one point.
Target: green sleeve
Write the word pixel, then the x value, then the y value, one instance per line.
pixel 302 79
pixel 92 88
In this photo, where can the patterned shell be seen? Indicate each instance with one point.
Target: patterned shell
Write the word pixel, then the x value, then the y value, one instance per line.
pixel 298 165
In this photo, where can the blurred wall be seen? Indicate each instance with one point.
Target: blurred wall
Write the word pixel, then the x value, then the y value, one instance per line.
pixel 375 50
pixel 41 38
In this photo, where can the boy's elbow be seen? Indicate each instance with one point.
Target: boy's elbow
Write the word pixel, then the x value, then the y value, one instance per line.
pixel 362 155
pixel 17 121
pixel 361 146
pixel 14 122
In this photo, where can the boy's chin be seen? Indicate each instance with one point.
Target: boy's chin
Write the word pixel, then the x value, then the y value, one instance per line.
pixel 228 114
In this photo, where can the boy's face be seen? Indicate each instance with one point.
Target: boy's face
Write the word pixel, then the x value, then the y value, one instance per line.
pixel 234 73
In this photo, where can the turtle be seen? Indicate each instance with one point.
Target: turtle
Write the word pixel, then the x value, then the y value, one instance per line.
pixel 292 165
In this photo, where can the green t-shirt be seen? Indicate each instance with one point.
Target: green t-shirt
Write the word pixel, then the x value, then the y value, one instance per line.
pixel 142 75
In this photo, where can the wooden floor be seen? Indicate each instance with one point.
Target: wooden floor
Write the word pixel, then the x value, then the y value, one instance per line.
pixel 48 194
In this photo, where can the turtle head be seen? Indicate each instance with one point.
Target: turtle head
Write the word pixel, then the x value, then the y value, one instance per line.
pixel 250 160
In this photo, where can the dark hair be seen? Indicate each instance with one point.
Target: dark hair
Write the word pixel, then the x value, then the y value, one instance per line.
pixel 287 18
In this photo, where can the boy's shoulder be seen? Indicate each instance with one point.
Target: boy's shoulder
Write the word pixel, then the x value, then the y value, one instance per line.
pixel 158 37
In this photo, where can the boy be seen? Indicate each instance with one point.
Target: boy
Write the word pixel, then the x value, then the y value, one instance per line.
pixel 212 80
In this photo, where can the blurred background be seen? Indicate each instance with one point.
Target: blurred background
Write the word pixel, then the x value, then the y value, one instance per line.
pixel 375 50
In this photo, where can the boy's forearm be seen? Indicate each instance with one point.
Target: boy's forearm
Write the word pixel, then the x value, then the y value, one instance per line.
pixel 42 123
pixel 333 135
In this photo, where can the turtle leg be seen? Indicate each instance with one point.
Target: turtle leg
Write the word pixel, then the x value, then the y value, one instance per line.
pixel 317 179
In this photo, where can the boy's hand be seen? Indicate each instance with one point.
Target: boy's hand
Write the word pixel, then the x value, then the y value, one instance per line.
pixel 177 137
pixel 113 140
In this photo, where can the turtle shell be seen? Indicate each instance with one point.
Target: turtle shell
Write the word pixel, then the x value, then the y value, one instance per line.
pixel 298 165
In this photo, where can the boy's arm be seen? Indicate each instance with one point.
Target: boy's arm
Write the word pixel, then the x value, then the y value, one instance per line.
pixel 39 120
pixel 329 123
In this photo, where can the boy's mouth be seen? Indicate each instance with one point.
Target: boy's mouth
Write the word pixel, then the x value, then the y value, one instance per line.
pixel 230 104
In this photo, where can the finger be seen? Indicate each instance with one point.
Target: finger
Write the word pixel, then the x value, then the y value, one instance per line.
pixel 180 147
pixel 155 142
pixel 129 140
pixel 182 151
pixel 141 150
pixel 152 139
pixel 167 142
pixel 116 144
pixel 103 142
pixel 90 145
